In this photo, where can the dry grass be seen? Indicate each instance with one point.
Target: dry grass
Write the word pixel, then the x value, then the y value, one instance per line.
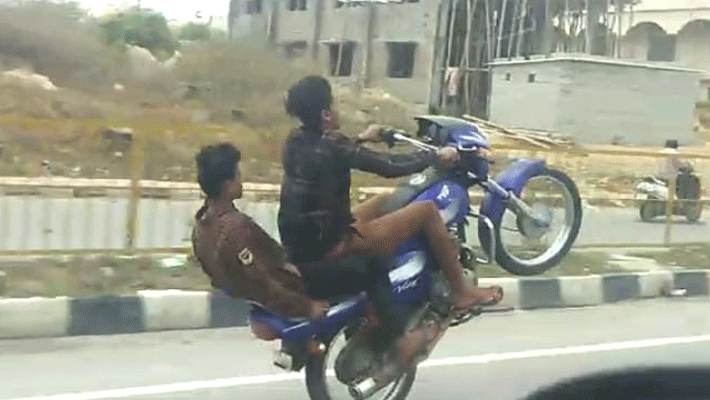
pixel 238 96
pixel 44 37
pixel 89 276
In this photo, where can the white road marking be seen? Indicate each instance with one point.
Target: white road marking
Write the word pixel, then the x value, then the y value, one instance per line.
pixel 442 362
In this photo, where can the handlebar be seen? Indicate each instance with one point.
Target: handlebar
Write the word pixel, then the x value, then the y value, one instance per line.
pixel 391 136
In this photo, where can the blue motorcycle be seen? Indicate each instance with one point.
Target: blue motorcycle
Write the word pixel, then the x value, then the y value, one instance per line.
pixel 338 368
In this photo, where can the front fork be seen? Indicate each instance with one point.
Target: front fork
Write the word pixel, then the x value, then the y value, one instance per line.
pixel 515 204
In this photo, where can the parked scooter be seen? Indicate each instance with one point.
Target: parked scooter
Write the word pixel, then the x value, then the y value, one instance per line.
pixel 656 191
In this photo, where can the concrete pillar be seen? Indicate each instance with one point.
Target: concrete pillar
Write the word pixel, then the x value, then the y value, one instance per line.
pixel 548 30
pixel 594 9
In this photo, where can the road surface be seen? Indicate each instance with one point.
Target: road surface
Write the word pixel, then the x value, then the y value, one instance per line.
pixel 497 356
pixel 46 223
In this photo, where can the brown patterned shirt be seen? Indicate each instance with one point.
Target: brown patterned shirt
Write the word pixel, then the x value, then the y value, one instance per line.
pixel 242 259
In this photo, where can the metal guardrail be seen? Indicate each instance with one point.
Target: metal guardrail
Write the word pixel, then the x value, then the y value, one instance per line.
pixel 55 215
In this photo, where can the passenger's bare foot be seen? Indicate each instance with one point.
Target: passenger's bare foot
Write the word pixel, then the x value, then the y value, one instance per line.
pixel 477 297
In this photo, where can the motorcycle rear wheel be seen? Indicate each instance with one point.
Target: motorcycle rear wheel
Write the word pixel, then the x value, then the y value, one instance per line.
pixel 647 211
pixel 693 212
pixel 321 381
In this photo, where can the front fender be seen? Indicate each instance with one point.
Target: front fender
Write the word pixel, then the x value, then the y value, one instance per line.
pixel 512 179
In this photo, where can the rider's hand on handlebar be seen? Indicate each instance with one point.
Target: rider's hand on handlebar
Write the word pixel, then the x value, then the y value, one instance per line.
pixel 319 309
pixel 448 156
pixel 372 134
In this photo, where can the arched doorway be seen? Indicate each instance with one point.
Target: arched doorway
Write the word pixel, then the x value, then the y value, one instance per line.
pixel 693 44
pixel 649 42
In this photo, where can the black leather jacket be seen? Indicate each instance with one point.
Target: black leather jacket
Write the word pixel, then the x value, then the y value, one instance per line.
pixel 314 213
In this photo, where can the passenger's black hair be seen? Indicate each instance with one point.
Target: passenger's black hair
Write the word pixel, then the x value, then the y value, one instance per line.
pixel 216 164
pixel 307 98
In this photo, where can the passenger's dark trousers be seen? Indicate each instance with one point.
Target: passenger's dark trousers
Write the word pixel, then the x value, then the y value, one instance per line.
pixel 334 280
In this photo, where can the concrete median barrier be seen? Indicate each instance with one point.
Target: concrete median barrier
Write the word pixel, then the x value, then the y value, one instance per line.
pixel 158 310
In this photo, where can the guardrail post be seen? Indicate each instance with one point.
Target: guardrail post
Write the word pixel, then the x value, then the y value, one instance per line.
pixel 136 174
pixel 669 211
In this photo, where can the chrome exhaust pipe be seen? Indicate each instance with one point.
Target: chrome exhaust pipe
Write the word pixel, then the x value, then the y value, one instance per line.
pixel 364 389
pixel 370 385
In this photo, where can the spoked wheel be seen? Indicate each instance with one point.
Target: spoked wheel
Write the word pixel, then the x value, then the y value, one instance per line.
pixel 322 383
pixel 524 246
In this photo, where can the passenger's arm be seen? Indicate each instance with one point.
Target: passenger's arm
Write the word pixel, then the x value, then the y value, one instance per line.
pixel 239 251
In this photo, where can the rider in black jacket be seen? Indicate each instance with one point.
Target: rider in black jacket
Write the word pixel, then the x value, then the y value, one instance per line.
pixel 316 222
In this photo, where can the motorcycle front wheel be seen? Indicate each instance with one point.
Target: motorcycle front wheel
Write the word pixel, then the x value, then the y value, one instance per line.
pixel 322 384
pixel 533 238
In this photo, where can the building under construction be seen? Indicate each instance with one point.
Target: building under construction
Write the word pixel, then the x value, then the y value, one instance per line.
pixel 446 54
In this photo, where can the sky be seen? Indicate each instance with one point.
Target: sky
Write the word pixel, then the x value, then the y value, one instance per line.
pixel 180 10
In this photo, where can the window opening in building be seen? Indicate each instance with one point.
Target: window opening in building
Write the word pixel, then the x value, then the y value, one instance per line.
pixel 348 3
pixel 296 49
pixel 254 6
pixel 297 5
pixel 401 59
pixel 346 58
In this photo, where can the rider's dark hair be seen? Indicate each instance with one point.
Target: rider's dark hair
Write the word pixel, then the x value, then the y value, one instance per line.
pixel 215 165
pixel 307 99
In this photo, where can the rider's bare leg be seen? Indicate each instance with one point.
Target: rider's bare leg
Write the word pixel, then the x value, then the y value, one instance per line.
pixel 384 234
pixel 370 209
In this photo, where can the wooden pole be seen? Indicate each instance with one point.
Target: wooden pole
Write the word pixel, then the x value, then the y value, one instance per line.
pixel 317 29
pixel 521 27
pixel 137 167
pixel 547 33
pixel 587 36
pixel 609 29
pixel 342 40
pixel 489 36
pixel 367 62
pixel 452 19
pixel 619 12
pixel 669 211
pixel 516 17
pixel 501 26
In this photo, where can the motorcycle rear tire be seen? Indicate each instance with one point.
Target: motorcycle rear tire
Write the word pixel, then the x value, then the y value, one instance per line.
pixel 317 385
pixel 647 211
pixel 693 212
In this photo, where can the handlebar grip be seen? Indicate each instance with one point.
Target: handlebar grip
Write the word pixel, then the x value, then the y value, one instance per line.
pixel 389 136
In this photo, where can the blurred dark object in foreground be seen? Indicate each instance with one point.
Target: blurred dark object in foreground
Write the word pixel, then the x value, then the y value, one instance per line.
pixel 677 383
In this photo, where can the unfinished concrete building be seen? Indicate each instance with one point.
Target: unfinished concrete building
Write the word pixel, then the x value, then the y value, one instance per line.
pixel 528 63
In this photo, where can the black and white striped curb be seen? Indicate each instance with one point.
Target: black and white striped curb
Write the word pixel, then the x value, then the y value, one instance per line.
pixel 176 309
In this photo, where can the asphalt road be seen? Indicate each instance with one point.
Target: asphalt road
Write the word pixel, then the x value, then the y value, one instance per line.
pixel 44 223
pixel 497 356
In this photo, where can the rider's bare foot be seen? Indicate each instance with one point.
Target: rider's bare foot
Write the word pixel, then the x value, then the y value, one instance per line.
pixel 477 297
